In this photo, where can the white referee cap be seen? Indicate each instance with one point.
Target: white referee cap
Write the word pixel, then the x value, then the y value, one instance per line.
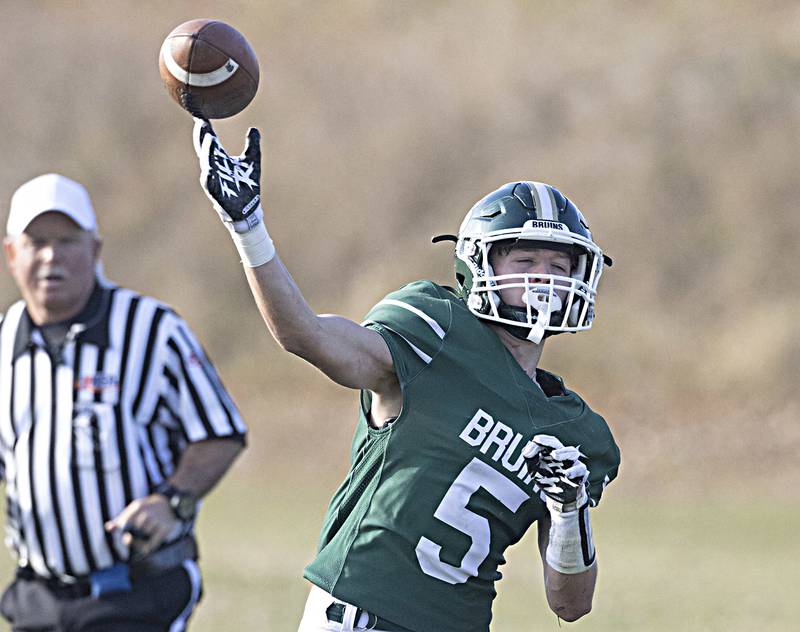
pixel 50 192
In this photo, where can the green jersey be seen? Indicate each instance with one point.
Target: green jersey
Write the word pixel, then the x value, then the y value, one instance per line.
pixel 418 530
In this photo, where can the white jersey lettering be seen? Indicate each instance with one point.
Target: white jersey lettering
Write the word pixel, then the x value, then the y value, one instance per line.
pixel 484 432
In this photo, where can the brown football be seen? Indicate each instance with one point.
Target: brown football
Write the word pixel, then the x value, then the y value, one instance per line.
pixel 209 68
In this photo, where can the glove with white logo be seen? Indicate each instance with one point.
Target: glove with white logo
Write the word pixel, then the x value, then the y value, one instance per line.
pixel 558 473
pixel 233 186
pixel 561 479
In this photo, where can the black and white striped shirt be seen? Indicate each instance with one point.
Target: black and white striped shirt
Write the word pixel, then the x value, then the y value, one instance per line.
pixel 101 420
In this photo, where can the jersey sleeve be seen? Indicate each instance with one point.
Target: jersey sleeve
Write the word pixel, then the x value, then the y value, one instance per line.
pixel 414 321
pixel 601 453
pixel 196 397
pixel 603 468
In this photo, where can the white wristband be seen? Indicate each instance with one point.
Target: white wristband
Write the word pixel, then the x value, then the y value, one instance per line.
pixel 255 246
pixel 571 548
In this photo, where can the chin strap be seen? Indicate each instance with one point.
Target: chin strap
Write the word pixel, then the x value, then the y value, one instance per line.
pixel 508 312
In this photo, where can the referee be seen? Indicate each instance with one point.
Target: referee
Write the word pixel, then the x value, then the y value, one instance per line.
pixel 113 424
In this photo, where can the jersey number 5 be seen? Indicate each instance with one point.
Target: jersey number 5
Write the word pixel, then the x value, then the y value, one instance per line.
pixel 454 512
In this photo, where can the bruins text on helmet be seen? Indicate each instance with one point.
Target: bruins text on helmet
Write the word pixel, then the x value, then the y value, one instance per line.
pixel 541 214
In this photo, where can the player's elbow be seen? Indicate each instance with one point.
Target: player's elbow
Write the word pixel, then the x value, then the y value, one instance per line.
pixel 571 612
pixel 295 341
pixel 303 337
pixel 293 345
pixel 570 596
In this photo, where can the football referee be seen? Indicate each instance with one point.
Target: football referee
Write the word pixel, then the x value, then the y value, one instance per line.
pixel 113 425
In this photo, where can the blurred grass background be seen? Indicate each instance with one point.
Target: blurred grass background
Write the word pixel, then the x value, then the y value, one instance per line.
pixel 674 126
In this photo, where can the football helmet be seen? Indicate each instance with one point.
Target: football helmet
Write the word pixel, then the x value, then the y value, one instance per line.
pixel 531 212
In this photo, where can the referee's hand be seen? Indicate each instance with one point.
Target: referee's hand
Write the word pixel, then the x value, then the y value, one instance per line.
pixel 148 521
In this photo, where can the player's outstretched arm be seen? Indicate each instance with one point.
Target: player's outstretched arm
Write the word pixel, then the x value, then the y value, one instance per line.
pixel 349 354
pixel 565 535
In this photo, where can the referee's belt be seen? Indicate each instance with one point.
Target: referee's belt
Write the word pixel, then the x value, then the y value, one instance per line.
pixel 160 561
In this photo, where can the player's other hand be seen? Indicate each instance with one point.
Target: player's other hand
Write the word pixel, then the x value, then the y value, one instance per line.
pixel 558 473
pixel 233 184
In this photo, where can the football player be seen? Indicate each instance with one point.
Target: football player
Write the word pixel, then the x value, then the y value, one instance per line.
pixel 463 441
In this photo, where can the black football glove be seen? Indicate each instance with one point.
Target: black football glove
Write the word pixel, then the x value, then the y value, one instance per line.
pixel 232 184
pixel 558 473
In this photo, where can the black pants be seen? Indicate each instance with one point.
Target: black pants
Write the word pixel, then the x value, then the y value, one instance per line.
pixel 155 604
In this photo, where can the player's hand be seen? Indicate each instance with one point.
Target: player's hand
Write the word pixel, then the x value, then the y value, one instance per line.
pixel 558 473
pixel 232 184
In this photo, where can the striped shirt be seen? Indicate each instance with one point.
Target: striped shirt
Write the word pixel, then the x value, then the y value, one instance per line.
pixel 91 424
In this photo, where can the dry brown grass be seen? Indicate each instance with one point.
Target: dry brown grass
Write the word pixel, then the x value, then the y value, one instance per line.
pixel 674 126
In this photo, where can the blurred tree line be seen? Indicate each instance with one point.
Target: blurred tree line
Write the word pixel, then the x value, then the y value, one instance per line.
pixel 673 126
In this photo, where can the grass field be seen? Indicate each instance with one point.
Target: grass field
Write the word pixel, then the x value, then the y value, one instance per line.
pixel 668 561
pixel 731 566
pixel 664 566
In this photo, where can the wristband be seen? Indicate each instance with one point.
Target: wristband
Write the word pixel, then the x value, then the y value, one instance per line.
pixel 571 548
pixel 255 246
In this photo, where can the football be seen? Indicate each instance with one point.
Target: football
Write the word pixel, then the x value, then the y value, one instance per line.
pixel 209 68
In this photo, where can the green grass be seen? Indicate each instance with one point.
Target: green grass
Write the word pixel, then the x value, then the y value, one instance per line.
pixel 675 566
pixel 664 565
